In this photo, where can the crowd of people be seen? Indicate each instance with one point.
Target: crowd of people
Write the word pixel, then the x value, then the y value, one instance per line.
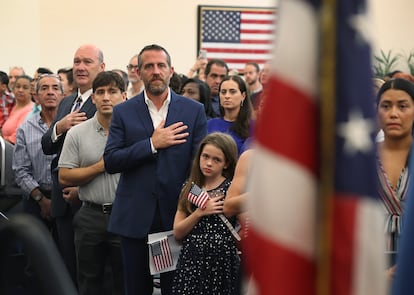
pixel 105 158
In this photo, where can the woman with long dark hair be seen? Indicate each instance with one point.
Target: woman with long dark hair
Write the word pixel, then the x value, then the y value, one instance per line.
pixel 236 111
pixel 395 110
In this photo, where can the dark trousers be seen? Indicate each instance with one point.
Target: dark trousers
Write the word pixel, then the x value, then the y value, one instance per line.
pixel 66 244
pixel 95 246
pixel 31 207
pixel 138 280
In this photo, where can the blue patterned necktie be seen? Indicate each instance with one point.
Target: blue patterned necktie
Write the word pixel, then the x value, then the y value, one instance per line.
pixel 77 104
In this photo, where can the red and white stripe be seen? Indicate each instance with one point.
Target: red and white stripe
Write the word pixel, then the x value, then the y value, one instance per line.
pixel 280 249
pixel 283 185
pixel 200 199
pixel 164 260
pixel 358 260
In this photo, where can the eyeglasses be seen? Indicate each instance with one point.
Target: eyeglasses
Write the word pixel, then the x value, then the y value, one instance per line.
pixel 132 67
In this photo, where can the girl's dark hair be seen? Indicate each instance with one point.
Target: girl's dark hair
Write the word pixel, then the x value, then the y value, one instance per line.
pixel 241 127
pixel 205 98
pixel 398 84
pixel 228 146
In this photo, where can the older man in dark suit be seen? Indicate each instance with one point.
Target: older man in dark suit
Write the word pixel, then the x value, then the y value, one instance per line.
pixel 74 109
pixel 152 140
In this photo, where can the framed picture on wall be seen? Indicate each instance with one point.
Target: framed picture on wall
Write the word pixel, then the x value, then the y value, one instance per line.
pixel 236 34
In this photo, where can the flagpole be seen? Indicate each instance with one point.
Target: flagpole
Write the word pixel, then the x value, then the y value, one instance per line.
pixel 327 145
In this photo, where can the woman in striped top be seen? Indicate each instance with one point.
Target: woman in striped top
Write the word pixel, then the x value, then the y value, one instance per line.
pixel 395 109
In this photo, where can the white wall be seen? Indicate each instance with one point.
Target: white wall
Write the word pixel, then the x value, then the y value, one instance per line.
pixel 47 32
pixel 393 21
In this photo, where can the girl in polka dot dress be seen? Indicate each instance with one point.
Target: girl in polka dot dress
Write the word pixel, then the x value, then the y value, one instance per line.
pixel 208 262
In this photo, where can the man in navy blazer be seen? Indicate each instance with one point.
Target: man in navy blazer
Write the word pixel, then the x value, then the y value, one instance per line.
pixel 152 140
pixel 87 63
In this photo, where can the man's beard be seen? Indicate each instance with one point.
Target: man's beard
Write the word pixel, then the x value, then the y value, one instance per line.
pixel 252 82
pixel 158 90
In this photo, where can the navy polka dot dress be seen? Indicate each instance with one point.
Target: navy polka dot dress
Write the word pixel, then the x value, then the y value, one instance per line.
pixel 208 263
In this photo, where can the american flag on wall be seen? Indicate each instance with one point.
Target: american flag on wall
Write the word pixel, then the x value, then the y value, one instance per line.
pixel 161 254
pixel 237 35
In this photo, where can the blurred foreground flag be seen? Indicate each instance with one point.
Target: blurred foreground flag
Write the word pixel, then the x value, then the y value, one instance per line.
pixel 316 224
pixel 404 279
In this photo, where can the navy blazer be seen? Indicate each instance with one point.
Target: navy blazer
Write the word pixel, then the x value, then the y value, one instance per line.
pixel 147 178
pixel 49 148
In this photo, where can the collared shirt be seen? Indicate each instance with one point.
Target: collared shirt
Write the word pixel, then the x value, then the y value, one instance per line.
pixel 37 108
pixel 84 145
pixel 85 97
pixel 7 102
pixel 30 165
pixel 157 115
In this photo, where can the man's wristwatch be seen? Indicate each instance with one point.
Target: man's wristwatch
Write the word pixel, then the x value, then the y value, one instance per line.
pixel 38 197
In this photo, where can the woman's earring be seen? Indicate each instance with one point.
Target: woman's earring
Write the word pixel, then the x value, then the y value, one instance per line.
pixel 241 103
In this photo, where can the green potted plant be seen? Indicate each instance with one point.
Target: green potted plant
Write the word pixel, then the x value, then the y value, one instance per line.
pixel 386 62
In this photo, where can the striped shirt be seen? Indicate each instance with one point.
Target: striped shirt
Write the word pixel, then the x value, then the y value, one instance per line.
pixel 393 202
pixel 7 103
pixel 30 165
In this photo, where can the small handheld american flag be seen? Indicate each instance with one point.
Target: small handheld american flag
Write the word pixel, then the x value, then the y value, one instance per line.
pixel 197 196
pixel 161 254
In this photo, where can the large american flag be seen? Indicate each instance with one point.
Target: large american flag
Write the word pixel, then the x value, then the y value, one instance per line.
pixel 237 35
pixel 314 215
